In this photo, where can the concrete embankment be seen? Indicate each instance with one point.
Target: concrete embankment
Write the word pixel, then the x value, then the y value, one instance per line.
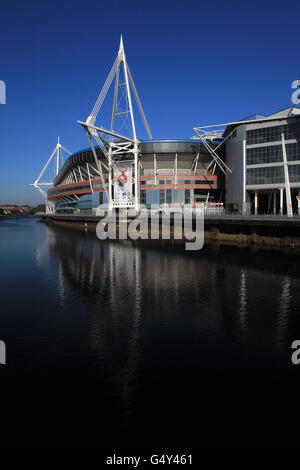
pixel 260 230
pixel 31 216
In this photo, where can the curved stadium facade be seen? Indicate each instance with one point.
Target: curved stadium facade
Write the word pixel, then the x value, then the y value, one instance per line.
pixel 170 172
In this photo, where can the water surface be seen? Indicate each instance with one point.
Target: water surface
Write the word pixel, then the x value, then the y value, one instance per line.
pixel 114 345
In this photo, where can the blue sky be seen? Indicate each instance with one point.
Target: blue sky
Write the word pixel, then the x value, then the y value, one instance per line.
pixel 193 63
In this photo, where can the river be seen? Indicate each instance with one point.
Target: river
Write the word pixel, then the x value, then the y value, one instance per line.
pixel 115 346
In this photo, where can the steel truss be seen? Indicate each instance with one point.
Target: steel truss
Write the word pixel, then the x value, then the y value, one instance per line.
pixel 57 155
pixel 211 135
pixel 116 147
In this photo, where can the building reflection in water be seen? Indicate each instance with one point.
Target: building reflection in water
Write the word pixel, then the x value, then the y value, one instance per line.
pixel 126 288
pixel 61 284
pixel 132 293
pixel 243 301
pixel 284 312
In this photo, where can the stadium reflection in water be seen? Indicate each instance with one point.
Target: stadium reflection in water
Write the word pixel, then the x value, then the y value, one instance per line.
pixel 170 336
pixel 129 280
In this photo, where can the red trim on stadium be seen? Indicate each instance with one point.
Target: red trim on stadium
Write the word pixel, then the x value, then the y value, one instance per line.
pixel 72 186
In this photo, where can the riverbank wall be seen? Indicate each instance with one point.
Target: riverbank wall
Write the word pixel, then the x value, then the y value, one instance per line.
pixel 259 230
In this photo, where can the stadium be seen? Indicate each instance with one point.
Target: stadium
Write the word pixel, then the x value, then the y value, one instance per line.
pixel 171 172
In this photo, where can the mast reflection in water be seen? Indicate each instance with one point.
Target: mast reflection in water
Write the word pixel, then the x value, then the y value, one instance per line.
pixel 142 344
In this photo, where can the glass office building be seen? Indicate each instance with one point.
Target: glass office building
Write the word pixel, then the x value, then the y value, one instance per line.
pixel 264 155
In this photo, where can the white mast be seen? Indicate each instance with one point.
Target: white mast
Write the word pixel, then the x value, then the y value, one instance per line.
pixel 114 145
pixel 58 162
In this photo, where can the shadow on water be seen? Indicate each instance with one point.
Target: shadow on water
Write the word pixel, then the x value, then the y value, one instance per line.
pixel 149 346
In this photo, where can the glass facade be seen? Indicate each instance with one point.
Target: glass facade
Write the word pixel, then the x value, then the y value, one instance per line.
pixel 269 134
pixel 293 151
pixel 85 202
pixel 270 154
pixel 294 172
pixel 165 196
pixel 152 197
pixel 266 175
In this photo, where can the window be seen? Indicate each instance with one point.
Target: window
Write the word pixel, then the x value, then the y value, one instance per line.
pixel 269 134
pixel 169 171
pixel 270 154
pixel 143 196
pixel 294 172
pixel 293 151
pixel 161 196
pixel 187 196
pixel 168 196
pixel 267 175
pixel 100 198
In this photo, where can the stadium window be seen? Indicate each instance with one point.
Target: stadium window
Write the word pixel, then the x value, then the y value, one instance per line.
pixel 169 196
pixel 143 196
pixel 161 196
pixel 187 196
